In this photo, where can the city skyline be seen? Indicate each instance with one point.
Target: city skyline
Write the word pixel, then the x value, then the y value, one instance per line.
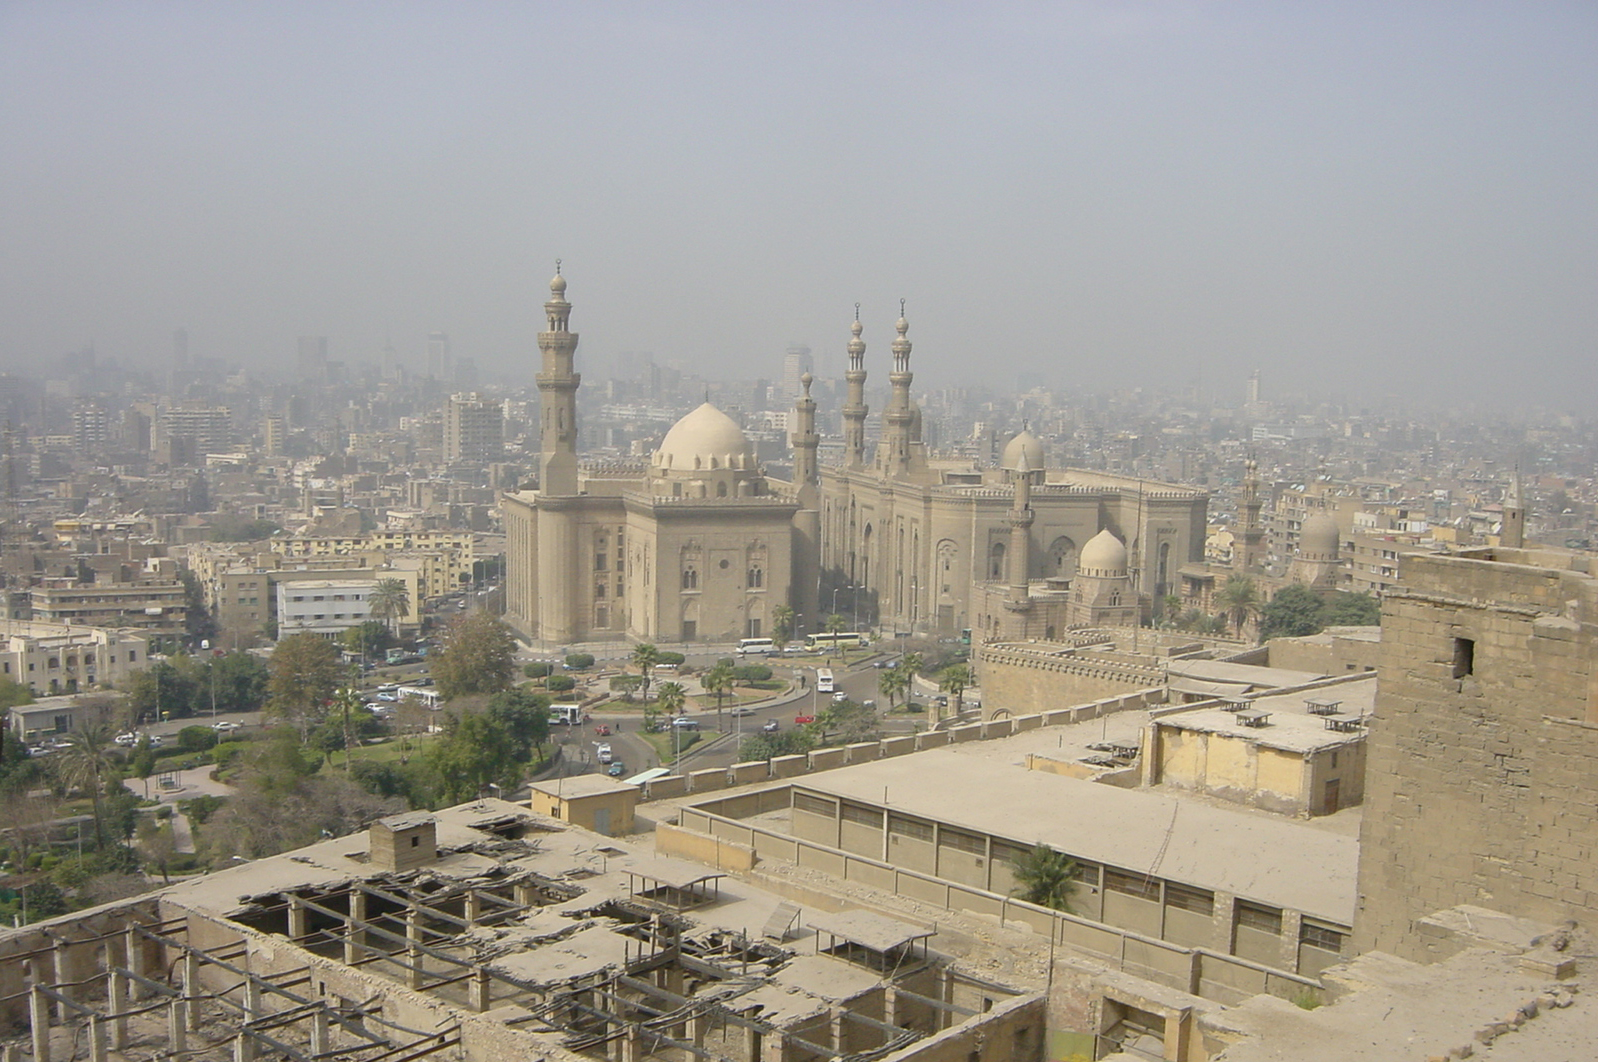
pixel 1111 195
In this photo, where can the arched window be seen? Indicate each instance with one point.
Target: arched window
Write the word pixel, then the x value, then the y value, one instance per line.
pixel 721 489
pixel 1062 558
pixel 757 577
pixel 690 579
pixel 996 562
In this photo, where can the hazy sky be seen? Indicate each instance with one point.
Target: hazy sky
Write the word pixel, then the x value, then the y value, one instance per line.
pixel 1352 196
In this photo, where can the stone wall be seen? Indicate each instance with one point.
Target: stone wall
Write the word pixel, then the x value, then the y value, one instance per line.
pixel 1480 785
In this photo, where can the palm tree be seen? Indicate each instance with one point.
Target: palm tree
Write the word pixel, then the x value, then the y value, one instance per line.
pixel 835 625
pixel 645 657
pixel 1046 877
pixel 671 697
pixel 389 601
pixel 892 682
pixel 953 680
pixel 1238 600
pixel 718 681
pixel 84 763
pixel 781 627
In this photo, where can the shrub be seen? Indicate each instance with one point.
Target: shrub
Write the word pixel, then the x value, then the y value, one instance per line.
pixel 538 669
pixel 561 683
pixel 579 661
pixel 751 673
pixel 196 738
pixel 676 659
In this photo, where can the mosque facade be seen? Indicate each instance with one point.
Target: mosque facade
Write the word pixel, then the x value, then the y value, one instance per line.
pixel 698 544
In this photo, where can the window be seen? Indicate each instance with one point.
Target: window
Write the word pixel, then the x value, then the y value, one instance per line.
pixel 757 578
pixel 814 805
pixel 912 828
pixel 1131 884
pixel 599 591
pixel 1259 917
pixel 600 561
pixel 864 816
pixel 690 579
pixel 1186 898
pixel 1464 657
pixel 1319 936
pixel 961 841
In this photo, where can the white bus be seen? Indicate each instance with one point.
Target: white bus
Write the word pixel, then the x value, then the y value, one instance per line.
pixel 824 680
pixel 841 640
pixel 756 647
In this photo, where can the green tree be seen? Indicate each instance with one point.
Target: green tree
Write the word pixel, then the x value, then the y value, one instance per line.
pixel 892 683
pixel 474 751
pixel 1352 610
pixel 718 682
pixel 302 675
pixel 199 623
pixel 645 657
pixel 954 680
pixel 562 683
pixel 368 639
pixel 670 698
pixel 1294 612
pixel 525 717
pixel 1046 877
pixel 835 625
pixel 781 627
pixel 1171 610
pixel 539 669
pixel 389 602
pixel 85 763
pixel 240 681
pixel 479 657
pixel 783 743
pixel 1239 600
pixel 912 664
pixel 626 685
pixel 13 694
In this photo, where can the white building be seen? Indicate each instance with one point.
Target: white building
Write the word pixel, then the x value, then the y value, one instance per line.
pixel 51 658
pixel 322 606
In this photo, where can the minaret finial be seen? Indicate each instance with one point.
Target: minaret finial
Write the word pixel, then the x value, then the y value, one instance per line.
pixel 901 307
pixel 857 311
pixel 557 267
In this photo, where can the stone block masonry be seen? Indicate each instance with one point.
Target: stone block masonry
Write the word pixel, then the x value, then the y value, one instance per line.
pixel 1480 783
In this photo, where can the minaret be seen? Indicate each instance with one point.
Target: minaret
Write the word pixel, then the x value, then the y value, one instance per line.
pixel 855 408
pixel 806 473
pixel 1252 533
pixel 895 448
pixel 1020 557
pixel 557 388
pixel 1512 532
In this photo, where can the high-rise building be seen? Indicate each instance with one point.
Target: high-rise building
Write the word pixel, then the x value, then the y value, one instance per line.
pixel 795 364
pixel 90 426
pixel 474 429
pixel 312 361
pixel 440 363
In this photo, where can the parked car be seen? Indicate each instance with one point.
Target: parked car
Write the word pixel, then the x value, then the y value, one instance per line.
pixel 772 726
pixel 615 770
pixel 603 730
pixel 127 740
pixel 225 725
pixel 741 710
pixel 684 723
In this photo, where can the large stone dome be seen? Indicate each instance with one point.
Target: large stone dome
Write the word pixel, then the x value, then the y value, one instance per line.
pixel 1318 538
pixel 1025 444
pixel 1103 557
pixel 703 440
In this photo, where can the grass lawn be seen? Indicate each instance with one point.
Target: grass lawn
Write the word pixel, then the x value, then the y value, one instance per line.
pixel 390 751
pixel 664 744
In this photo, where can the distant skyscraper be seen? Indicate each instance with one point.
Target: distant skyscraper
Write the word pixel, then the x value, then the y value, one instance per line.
pixel 1254 388
pixel 795 364
pixel 312 363
pixel 474 429
pixel 440 365
pixel 90 426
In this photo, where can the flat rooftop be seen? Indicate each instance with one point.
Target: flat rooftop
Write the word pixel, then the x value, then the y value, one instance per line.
pixel 1292 727
pixel 1275 861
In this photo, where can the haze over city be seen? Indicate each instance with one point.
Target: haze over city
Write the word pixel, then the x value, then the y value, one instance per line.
pixel 1357 198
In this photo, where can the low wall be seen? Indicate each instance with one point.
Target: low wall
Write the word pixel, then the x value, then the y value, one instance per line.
pixel 1199 971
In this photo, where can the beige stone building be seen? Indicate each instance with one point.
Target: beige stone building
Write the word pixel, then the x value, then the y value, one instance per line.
pixel 695 545
pixel 591 801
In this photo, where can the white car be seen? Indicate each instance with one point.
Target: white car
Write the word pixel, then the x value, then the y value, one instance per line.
pixel 127 740
pixel 225 725
pixel 604 754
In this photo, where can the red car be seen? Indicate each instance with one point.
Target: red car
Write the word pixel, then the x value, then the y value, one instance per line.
pixel 801 720
pixel 602 730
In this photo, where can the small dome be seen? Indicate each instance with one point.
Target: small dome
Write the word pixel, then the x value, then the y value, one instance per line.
pixel 704 439
pixel 1024 443
pixel 1318 538
pixel 557 286
pixel 1104 555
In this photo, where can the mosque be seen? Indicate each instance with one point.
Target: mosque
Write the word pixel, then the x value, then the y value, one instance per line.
pixel 699 544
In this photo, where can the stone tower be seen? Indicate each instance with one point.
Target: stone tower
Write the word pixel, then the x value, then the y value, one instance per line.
pixel 557 388
pixel 855 408
pixel 1512 532
pixel 894 451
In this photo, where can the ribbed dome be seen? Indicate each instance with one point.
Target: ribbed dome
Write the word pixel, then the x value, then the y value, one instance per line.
pixel 704 439
pixel 1103 556
pixel 1024 443
pixel 1318 538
